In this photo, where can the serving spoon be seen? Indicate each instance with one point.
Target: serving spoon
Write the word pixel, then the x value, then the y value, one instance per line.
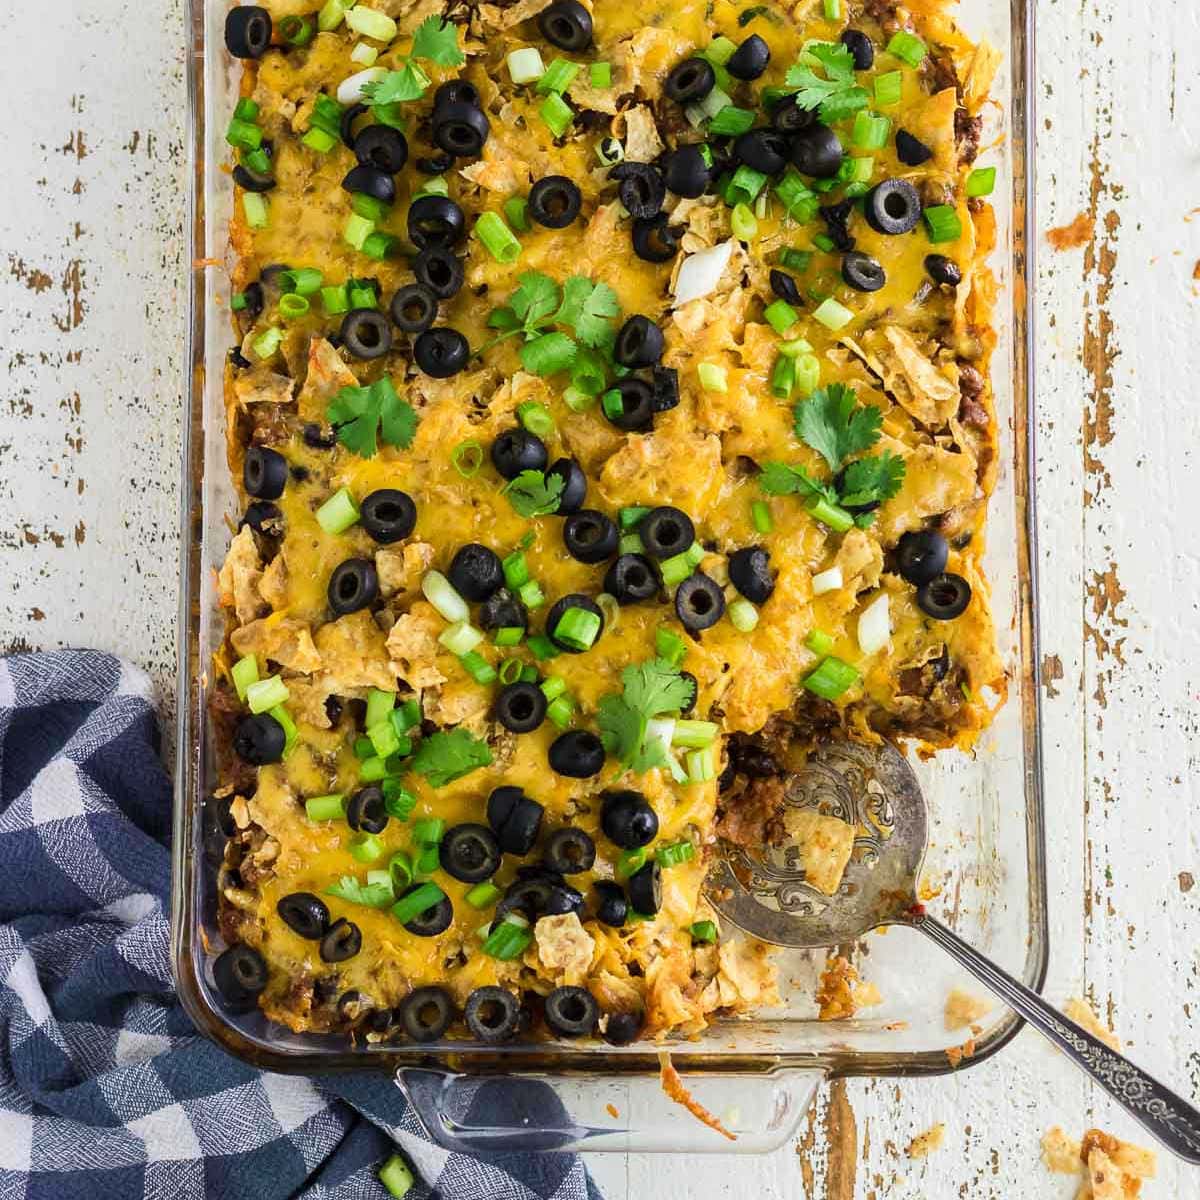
pixel 873 787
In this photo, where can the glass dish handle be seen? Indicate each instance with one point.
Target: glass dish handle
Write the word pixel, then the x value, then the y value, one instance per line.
pixel 488 1114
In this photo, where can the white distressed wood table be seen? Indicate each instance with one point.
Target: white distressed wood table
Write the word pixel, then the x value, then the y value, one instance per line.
pixel 92 331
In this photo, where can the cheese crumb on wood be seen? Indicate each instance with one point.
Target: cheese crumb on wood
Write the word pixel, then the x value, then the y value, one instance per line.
pixel 963 1009
pixel 926 1143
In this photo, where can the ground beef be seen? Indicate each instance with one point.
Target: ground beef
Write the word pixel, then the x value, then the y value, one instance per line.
pixel 967 130
pixel 920 681
pixel 271 424
pixel 754 817
pixel 938 71
pixel 883 11
pixel 934 192
pixel 225 710
pixel 970 381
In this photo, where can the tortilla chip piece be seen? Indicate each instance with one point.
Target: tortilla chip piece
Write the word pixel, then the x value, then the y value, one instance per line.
pixel 1060 1153
pixel 963 1009
pixel 1082 1013
pixel 826 844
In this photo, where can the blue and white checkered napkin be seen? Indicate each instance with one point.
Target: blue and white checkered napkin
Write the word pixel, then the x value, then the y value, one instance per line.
pixel 106 1089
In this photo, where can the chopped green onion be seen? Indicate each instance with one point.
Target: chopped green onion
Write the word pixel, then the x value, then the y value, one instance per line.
pixel 630 517
pixel 907 47
pixel 830 678
pixel 508 940
pixel 799 200
pixel 362 293
pixel 675 854
pixel 870 132
pixel 629 862
pixel 508 635
pixel 362 53
pixel 981 181
pixel 731 121
pixel 335 300
pixel 578 627
pixel 531 594
pixel 244 673
pixel 285 722
pixel 435 185
pixel 478 667
pixel 823 241
pixel 292 307
pixel 331 15
pixel 712 377
pixel 889 87
pixel 795 260
pixel 357 230
pixel 460 637
pixel 267 342
pixel 382 879
pixel 483 895
pixel 601 75
pixel 720 50
pixel 369 206
pixel 380 246
pixel 818 641
pixel 856 189
pixel 781 316
pixel 807 374
pixel 832 9
pixel 743 614
pixel 371 23
pixel 558 76
pixel 794 347
pixel 561 711
pixel 398 800
pixel 363 748
pixel 631 543
pixel 440 593
pixel 245 135
pixel 942 223
pixel 427 864
pixel 857 170
pixel 338 513
pixel 257 212
pixel 556 113
pixel 833 315
pixel 542 648
pixel 694 554
pixel 742 222
pixel 326 113
pixel 265 694
pixel 536 418
pixel 429 831
pixel 320 140
pixel 396 1177
pixel 612 404
pixel 326 808
pixel 497 238
pixel 703 931
pixel 383 738
pixel 516 209
pixel 238 302
pixel 553 686
pixel 304 281
pixel 256 160
pixel 748 180
pixel 516 569
pixel 675 570
pixel 417 901
pixel 760 514
pixel 694 734
pixel 380 704
pixel 407 716
pixel 296 31
pixel 669 645
pixel 246 109
pixel 525 64
pixel 365 847
pixel 838 519
pixel 373 769
pixel 510 670
pixel 700 766
pixel 467 458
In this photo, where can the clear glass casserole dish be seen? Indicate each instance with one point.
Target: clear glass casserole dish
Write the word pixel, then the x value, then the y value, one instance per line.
pixel 986 833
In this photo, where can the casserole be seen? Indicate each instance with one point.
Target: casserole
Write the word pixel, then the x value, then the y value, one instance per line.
pixel 987 818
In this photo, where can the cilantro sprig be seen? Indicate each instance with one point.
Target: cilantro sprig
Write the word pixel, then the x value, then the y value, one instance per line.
pixel 833 423
pixel 372 895
pixel 837 95
pixel 435 41
pixel 534 494
pixel 649 690
pixel 449 754
pixel 363 415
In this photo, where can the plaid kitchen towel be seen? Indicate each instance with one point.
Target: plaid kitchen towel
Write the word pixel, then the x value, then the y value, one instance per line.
pixel 106 1089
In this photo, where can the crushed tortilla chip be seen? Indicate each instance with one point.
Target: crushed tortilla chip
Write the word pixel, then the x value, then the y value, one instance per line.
pixel 1060 1153
pixel 1108 1168
pixel 1083 1014
pixel 841 992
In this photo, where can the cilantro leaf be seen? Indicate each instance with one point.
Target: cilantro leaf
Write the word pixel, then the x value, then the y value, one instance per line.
pixel 843 104
pixel 831 423
pixel 836 58
pixel 449 754
pixel 874 479
pixel 535 298
pixel 358 412
pixel 587 307
pixel 437 41
pixel 782 479
pixel 837 95
pixel 505 319
pixel 656 687
pixel 373 895
pixel 408 83
pixel 622 729
pixel 533 494
pixel 649 690
pixel 548 353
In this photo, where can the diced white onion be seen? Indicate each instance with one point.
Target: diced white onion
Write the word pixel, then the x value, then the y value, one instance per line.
pixel 525 65
pixel 827 581
pixel 362 53
pixel 441 594
pixel 875 625
pixel 700 272
pixel 350 91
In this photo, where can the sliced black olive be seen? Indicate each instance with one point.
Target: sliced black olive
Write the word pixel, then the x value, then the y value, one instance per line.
pixel 655 240
pixel 943 270
pixel 365 810
pixel 354 584
pixel 316 436
pixel 503 610
pixel 426 1013
pixel 433 920
pixel 571 1012
pixel 764 150
pixel 440 270
pixel 414 308
pixel 921 555
pixel 346 125
pixel 862 272
pixel 353 1005
pixel 686 171
pixel 517 450
pixel 817 151
pixel 690 81
pixel 861 47
pixel 910 150
pixel 944 597
pixel 248 31
pixel 441 352
pixel 695 686
pixel 571 498
pixel 255 300
pixel 500 805
pixel 520 707
pixel 560 608
pixel 749 60
pixel 631 579
pixel 264 473
pixel 590 536
pixel 435 220
pixel 577 754
pixel 469 852
pixel 627 819
pixel 637 405
pixel 365 333
pixel 699 602
pixel 305 914
pixel 434 164
pixel 388 515
pixel 788 117
pixel 240 972
pixel 892 206
pixel 562 899
pixel 371 181
pixel 493 1014
pixel 665 383
pixel 639 343
pixel 554 201
pixel 381 1020
pixel 837 220
pixel 456 91
pixel 566 24
pixel 640 187
pixel 610 904
pixel 460 129
pixel 476 572
pixel 569 850
pixel 252 181
pixel 784 286
pixel 342 940
pixel 622 1028
pixel 520 828
pixel 259 739
pixel 666 531
pixel 529 897
pixel 381 147
pixel 645 889
pixel 750 572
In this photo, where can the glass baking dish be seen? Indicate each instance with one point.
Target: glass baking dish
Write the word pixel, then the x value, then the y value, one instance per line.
pixel 986 848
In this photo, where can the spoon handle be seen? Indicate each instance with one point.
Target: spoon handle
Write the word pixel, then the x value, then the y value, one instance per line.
pixel 1164 1114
